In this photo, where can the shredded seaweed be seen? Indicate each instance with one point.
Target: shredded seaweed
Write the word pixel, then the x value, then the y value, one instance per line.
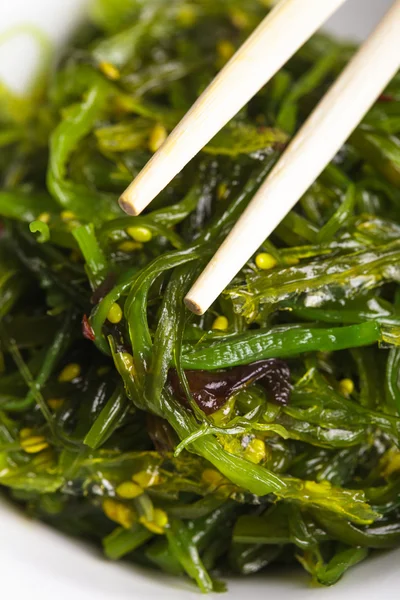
pixel 264 432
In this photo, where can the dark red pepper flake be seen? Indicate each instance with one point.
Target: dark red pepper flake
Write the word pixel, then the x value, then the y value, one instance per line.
pixel 87 330
pixel 211 390
pixel 386 98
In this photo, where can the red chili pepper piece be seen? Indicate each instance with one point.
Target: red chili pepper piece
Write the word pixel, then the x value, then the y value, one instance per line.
pixel 87 330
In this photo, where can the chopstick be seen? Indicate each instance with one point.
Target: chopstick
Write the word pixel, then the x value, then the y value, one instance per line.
pixel 321 137
pixel 276 39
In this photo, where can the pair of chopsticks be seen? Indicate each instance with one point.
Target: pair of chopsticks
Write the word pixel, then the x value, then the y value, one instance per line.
pixel 287 27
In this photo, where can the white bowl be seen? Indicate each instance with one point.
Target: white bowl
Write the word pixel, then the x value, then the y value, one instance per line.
pixel 39 563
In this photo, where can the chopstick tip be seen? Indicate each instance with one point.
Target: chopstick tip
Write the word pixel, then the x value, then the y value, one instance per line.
pixel 193 306
pixel 127 206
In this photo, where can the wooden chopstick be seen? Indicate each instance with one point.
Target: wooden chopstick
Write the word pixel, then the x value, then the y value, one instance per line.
pixel 335 118
pixel 276 39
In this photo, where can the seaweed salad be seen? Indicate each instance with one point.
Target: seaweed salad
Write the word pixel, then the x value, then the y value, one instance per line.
pixel 265 432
